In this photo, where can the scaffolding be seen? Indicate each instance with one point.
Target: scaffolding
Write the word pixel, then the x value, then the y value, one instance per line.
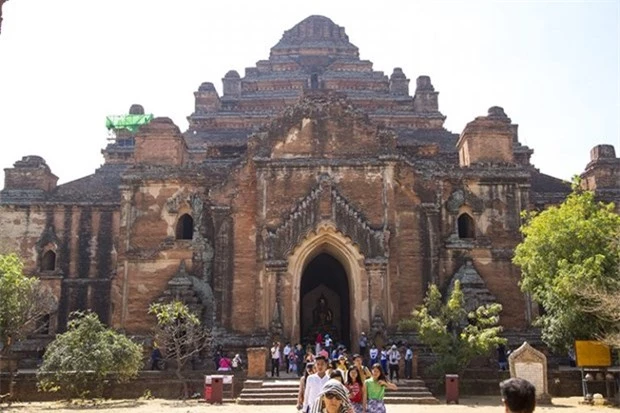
pixel 129 122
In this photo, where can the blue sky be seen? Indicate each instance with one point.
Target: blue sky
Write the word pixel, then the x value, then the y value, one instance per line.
pixel 553 66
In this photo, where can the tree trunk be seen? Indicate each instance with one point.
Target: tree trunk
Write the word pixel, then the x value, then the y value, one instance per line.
pixel 185 391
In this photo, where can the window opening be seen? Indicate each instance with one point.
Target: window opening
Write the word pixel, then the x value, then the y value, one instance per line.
pixel 48 261
pixel 185 227
pixel 466 226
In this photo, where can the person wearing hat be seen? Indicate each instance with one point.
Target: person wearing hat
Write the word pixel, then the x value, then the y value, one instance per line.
pixel 394 361
pixel 333 398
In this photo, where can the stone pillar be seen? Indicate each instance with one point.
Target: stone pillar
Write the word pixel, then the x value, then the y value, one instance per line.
pixel 431 212
pixel 278 269
pixel 377 271
pixel 257 362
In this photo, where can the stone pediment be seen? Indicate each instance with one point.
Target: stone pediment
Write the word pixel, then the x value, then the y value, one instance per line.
pixel 473 287
pixel 324 204
pixel 326 126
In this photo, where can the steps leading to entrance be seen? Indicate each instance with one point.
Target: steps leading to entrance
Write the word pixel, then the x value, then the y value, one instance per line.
pixel 283 392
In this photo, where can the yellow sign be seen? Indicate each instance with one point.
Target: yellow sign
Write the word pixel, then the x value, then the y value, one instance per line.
pixel 592 353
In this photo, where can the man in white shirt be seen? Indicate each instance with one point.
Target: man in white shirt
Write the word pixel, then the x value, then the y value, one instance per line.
pixel 286 352
pixel 315 382
pixel 409 362
pixel 394 360
pixel 275 359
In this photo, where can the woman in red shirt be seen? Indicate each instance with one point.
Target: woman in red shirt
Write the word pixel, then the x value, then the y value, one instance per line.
pixel 355 385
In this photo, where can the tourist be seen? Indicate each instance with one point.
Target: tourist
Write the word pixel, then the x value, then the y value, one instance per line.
pixel 286 352
pixel 374 390
pixel 333 398
pixel 225 364
pixel 374 355
pixel 363 343
pixel 299 355
pixel 362 370
pixel 409 362
pixel 355 385
pixel 328 343
pixel 336 374
pixel 315 382
pixel 341 365
pixel 156 357
pixel 302 384
pixel 518 395
pixel 318 343
pixel 502 357
pixel 384 359
pixel 275 359
pixel 394 362
pixel 237 362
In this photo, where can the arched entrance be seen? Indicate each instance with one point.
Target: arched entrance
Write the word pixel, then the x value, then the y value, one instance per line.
pixel 325 300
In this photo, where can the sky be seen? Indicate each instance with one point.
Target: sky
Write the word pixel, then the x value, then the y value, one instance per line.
pixel 65 65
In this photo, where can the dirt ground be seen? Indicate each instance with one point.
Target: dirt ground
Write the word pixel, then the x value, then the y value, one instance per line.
pixel 480 404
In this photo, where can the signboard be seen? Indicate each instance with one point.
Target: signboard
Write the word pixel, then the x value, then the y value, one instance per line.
pixel 591 353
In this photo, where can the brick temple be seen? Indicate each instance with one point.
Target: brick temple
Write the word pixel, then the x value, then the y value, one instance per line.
pixel 314 193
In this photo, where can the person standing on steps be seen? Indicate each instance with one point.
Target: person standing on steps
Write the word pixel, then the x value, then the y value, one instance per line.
pixel 409 362
pixel 286 352
pixel 275 359
pixel 363 343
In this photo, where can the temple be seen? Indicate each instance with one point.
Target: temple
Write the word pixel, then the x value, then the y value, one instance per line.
pixel 315 193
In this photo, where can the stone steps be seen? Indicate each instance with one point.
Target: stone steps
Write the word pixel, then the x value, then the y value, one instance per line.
pixel 284 392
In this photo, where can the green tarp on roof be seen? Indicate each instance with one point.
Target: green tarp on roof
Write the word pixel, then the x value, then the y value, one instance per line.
pixel 129 122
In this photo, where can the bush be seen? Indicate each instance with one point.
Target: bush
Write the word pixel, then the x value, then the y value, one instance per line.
pixel 80 361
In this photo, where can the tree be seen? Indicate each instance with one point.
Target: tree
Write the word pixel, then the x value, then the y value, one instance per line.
pixel 180 335
pixel 567 249
pixel 23 303
pixel 605 306
pixel 81 360
pixel 453 334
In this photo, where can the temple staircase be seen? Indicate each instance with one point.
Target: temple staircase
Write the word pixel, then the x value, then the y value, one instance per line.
pixel 284 391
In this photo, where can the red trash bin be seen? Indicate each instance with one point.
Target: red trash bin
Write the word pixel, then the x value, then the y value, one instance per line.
pixel 217 389
pixel 452 388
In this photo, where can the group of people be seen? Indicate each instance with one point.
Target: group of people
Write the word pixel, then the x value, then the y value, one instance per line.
pixel 321 392
pixel 294 358
pixel 342 387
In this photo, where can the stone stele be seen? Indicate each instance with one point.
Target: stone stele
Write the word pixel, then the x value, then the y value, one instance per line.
pixel 530 364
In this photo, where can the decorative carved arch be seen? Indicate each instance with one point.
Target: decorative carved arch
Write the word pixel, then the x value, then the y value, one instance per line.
pixel 324 203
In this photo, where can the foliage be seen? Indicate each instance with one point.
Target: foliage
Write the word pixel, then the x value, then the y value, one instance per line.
pixel 80 361
pixel 567 249
pixel 455 336
pixel 180 335
pixel 23 303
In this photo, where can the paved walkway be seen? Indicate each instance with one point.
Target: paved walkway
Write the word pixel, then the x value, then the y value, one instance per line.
pixel 481 404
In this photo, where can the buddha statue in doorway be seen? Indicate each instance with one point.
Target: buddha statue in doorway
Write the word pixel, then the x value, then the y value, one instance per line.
pixel 322 315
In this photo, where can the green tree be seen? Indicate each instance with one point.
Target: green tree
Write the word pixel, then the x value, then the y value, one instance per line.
pixel 568 249
pixel 23 303
pixel 455 336
pixel 82 360
pixel 180 335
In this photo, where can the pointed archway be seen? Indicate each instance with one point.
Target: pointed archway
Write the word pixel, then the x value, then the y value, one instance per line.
pixel 325 301
pixel 326 247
